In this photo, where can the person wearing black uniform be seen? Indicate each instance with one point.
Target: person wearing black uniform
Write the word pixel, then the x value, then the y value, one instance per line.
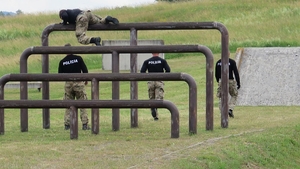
pixel 74 89
pixel 155 64
pixel 83 19
pixel 234 84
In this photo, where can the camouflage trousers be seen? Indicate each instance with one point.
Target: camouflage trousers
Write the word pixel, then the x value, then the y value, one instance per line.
pixel 156 90
pixel 75 89
pixel 233 92
pixel 83 21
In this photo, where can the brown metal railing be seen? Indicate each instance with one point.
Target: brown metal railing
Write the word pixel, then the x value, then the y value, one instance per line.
pixel 95 78
pixel 94 104
pixel 134 28
pixel 115 50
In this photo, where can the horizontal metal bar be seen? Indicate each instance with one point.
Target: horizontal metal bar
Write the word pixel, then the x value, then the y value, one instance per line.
pixel 97 76
pixel 97 104
pixel 140 26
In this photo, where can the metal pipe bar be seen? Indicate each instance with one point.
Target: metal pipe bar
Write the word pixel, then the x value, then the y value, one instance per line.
pixel 139 49
pixel 134 27
pixel 106 77
pixel 140 26
pixel 97 104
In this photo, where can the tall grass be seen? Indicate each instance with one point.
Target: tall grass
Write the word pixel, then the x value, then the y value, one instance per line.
pixel 270 23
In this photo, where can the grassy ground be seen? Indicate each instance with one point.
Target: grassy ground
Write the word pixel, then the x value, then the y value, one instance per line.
pixel 258 137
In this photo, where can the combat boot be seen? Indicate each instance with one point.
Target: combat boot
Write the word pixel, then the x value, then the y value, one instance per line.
pixel 154 113
pixel 85 127
pixel 230 113
pixel 113 20
pixel 67 127
pixel 96 40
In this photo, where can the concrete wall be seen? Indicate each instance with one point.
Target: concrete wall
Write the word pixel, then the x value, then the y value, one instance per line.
pixel 269 76
pixel 125 57
pixel 16 85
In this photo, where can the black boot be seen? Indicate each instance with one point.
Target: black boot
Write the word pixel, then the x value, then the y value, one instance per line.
pixel 85 127
pixel 67 127
pixel 96 40
pixel 154 113
pixel 230 113
pixel 109 19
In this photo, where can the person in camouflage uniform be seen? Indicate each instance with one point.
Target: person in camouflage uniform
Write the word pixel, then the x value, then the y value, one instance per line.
pixel 234 84
pixel 74 89
pixel 83 19
pixel 155 64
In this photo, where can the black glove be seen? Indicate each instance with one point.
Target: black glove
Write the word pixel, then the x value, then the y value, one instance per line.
pixel 238 86
pixel 113 20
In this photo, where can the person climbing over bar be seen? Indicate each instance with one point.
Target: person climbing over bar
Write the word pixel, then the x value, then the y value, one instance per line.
pixel 82 19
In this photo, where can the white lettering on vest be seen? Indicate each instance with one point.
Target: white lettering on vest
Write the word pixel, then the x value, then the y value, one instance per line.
pixel 69 62
pixel 154 62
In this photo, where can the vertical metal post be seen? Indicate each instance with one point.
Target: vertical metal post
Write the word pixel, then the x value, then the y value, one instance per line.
pixel 133 84
pixel 73 122
pixel 209 90
pixel 192 105
pixel 174 120
pixel 115 91
pixel 23 96
pixel 225 79
pixel 95 111
pixel 1 111
pixel 45 84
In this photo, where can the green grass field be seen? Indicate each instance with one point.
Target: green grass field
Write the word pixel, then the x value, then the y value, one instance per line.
pixel 258 137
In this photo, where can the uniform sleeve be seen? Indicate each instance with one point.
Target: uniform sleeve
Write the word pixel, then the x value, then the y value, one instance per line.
pixel 83 66
pixel 217 72
pixel 60 67
pixel 65 18
pixel 167 67
pixel 144 67
pixel 236 74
